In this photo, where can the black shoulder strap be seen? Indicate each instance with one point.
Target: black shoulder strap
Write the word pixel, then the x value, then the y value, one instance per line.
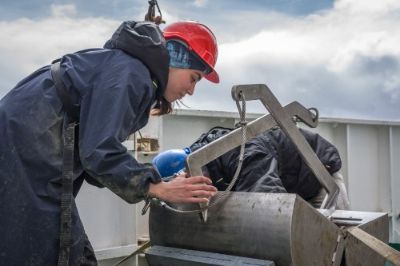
pixel 66 195
pixel 71 109
pixel 68 166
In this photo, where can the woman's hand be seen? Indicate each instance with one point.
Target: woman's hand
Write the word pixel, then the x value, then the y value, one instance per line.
pixel 194 189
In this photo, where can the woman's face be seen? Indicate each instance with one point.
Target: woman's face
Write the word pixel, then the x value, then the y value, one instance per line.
pixel 181 82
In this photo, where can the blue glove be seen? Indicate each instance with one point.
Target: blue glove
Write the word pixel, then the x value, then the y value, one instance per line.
pixel 171 162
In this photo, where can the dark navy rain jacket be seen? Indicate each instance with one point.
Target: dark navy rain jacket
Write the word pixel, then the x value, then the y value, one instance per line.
pixel 271 163
pixel 114 89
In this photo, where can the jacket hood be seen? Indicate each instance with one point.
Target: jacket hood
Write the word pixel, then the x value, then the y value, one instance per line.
pixel 144 41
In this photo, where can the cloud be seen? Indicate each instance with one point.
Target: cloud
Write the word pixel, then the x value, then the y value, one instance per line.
pixel 33 43
pixel 344 60
pixel 363 7
pixel 200 3
pixel 63 10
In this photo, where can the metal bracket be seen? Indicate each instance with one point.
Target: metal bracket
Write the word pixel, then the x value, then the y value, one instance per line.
pixel 285 122
pixel 279 116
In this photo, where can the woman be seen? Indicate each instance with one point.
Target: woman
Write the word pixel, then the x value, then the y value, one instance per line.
pixel 111 92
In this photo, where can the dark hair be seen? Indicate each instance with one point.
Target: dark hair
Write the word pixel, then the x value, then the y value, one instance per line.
pixel 161 107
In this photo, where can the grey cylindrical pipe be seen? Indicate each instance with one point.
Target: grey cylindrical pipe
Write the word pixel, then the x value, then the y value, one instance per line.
pixel 278 227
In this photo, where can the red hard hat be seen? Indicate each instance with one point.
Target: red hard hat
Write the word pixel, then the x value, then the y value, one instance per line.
pixel 200 39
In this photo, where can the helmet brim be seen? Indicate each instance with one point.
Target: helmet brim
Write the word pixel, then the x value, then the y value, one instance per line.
pixel 213 76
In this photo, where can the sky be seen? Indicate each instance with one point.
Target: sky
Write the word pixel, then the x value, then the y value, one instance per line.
pixel 342 57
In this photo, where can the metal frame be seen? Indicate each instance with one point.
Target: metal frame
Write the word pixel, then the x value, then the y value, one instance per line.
pixel 279 116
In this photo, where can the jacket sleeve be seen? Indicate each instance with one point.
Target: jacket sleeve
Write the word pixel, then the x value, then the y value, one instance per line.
pixel 296 175
pixel 116 102
pixel 326 151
